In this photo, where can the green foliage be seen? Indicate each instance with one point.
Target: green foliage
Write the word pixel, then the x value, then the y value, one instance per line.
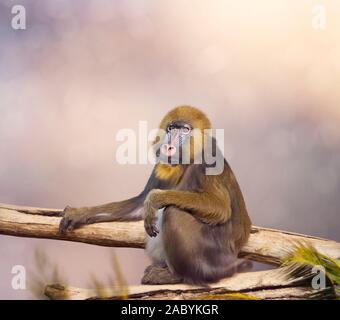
pixel 46 272
pixel 299 263
pixel 116 288
pixel 228 296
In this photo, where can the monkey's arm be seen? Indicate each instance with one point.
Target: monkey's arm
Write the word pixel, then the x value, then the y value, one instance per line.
pixel 211 208
pixel 127 210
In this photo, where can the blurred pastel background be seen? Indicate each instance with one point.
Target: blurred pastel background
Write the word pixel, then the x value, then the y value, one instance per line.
pixel 84 69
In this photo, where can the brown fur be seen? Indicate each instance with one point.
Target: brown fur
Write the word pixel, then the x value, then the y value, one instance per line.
pixel 187 114
pixel 205 221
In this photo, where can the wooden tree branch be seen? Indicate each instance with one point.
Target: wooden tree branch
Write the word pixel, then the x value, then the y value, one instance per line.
pixel 265 245
pixel 41 223
pixel 270 284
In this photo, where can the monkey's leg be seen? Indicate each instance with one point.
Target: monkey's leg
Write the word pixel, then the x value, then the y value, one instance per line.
pixel 156 274
pixel 198 252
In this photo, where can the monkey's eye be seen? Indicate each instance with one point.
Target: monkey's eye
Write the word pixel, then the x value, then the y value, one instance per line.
pixel 171 127
pixel 186 129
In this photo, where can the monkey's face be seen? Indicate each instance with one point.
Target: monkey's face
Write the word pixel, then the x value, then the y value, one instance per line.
pixel 174 146
pixel 181 136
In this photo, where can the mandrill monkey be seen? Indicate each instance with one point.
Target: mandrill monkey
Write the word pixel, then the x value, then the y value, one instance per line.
pixel 196 223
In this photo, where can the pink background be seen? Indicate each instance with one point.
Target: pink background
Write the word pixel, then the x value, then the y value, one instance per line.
pixel 82 70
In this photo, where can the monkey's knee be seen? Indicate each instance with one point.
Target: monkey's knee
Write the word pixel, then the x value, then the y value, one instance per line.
pixel 199 253
pixel 159 275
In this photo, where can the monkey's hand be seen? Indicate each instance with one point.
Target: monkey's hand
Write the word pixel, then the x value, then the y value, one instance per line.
pixel 150 218
pixel 73 218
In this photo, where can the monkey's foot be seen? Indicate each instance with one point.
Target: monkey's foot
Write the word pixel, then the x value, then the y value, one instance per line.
pixel 159 275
